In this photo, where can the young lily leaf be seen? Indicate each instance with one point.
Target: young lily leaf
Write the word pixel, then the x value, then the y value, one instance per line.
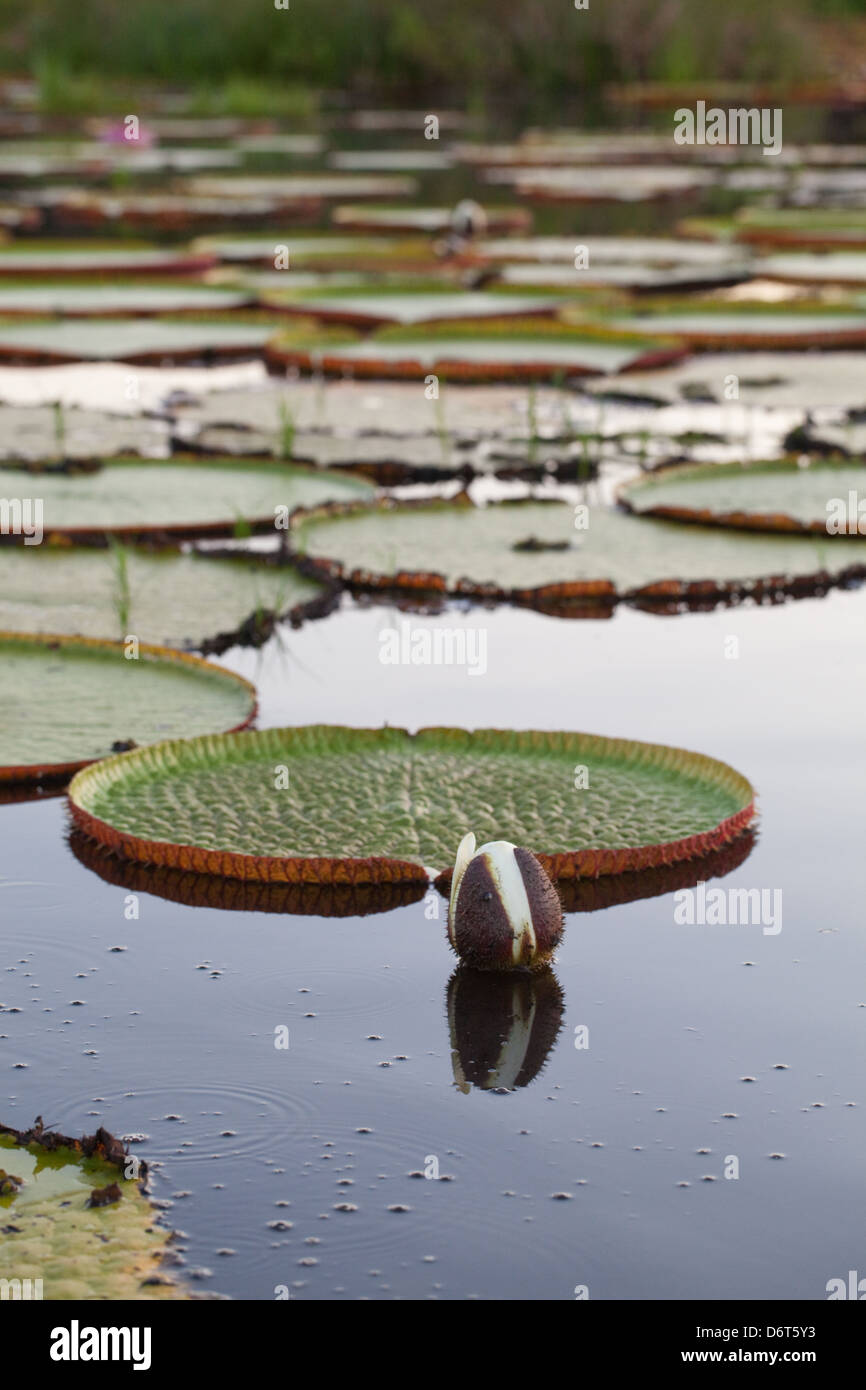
pixel 776 496
pixel 67 701
pixel 326 804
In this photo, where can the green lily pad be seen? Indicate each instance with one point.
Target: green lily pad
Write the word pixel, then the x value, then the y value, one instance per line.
pixel 67 701
pixel 248 895
pixel 320 252
pixel 757 328
pixel 59 259
pixel 535 552
pixel 813 228
pixel 95 301
pixel 368 805
pixel 77 1227
pixel 130 340
pixel 382 307
pixel 593 183
pixel 492 349
pixel 827 267
pixel 430 220
pixel 775 496
pixel 288 188
pixel 167 599
pixel 180 497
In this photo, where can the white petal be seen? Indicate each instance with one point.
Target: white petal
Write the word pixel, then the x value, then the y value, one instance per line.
pixel 465 851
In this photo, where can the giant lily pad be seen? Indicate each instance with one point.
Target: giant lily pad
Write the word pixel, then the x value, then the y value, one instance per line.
pixel 478 350
pixel 531 552
pixel 108 300
pixel 803 228
pixel 289 188
pixel 719 329
pixel 322 252
pixel 175 497
pixel 775 496
pixel 378 307
pixel 74 1225
pixel 826 267
pixel 371 805
pixel 430 220
pixel 33 433
pixel 67 701
pixel 61 261
pixel 592 184
pixel 75 210
pixel 167 599
pixel 250 895
pixel 131 340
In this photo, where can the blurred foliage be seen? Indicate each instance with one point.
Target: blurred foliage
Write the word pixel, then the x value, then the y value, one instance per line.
pixel 484 50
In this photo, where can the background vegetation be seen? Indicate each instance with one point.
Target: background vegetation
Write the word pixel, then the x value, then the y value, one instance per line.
pixel 484 50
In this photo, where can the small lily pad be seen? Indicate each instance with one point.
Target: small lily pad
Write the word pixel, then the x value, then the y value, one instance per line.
pixel 78 1227
pixel 67 701
pixel 381 805
pixel 776 496
pixel 533 552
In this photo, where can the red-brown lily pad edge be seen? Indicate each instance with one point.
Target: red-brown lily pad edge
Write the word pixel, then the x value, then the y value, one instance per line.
pixel 576 598
pixel 156 765
pixel 18 781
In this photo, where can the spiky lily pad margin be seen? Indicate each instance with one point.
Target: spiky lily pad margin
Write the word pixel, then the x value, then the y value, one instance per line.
pixel 664 595
pixel 628 495
pixel 59 772
pixel 145 1273
pixel 306 869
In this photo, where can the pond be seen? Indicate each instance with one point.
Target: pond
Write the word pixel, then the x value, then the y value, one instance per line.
pixel 660 1051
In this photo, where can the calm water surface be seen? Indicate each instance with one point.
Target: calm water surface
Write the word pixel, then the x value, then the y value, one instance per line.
pixel 181 1023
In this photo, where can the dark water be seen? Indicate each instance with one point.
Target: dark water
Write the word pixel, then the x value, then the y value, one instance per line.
pixel 676 1015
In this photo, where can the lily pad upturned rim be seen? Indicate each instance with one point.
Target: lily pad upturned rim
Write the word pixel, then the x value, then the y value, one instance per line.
pixel 586 862
pixel 546 597
pixel 22 774
pixel 768 522
pixel 170 533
